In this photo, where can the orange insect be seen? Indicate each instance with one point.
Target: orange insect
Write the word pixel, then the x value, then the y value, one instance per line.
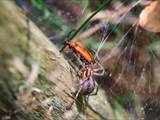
pixel 81 51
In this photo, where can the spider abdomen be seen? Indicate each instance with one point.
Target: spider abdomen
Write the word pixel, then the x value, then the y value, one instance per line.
pixel 88 86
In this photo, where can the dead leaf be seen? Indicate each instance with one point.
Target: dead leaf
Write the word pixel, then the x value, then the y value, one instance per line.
pixel 149 18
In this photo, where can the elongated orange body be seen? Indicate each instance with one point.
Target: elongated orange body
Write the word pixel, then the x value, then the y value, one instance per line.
pixel 82 51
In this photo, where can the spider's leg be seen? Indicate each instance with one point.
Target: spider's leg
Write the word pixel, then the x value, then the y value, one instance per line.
pixel 99 71
pixel 74 99
pixel 76 96
pixel 69 95
pixel 96 91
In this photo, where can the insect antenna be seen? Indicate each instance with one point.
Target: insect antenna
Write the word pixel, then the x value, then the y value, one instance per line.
pixel 67 39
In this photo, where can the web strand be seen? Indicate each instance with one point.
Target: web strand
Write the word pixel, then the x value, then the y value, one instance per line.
pixel 104 40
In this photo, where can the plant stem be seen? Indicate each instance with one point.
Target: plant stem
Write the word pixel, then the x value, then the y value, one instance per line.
pixel 86 22
pixel 89 18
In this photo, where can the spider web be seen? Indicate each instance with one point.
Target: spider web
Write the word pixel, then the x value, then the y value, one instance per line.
pixel 129 73
pixel 130 76
pixel 129 65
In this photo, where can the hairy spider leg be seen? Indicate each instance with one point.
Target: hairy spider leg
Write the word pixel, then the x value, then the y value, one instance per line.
pixel 96 91
pixel 75 98
pixel 96 70
pixel 84 89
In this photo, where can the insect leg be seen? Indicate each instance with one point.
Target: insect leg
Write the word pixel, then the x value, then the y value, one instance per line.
pixel 80 61
pixel 67 39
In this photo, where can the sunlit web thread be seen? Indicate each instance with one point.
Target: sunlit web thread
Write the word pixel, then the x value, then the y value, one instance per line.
pixel 123 70
pixel 130 54
pixel 96 27
pixel 146 75
pixel 149 75
pixel 148 79
pixel 142 77
pixel 107 57
pixel 119 56
pixel 129 45
pixel 120 75
pixel 133 43
pixel 118 59
pixel 104 40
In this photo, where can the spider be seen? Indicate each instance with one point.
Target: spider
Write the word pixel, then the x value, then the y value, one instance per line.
pixel 88 86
